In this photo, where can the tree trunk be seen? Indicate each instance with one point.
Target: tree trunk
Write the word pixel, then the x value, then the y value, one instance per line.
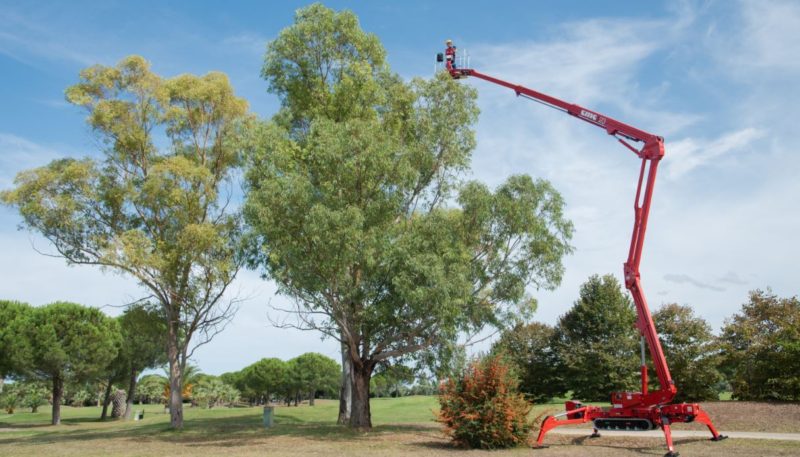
pixel 311 398
pixel 360 416
pixel 106 400
pixel 346 391
pixel 131 392
pixel 58 393
pixel 175 382
pixel 118 403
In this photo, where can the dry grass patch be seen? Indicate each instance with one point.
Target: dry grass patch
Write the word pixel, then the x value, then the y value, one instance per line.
pixel 404 427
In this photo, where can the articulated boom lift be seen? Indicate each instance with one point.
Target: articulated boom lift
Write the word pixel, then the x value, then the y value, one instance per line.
pixel 647 409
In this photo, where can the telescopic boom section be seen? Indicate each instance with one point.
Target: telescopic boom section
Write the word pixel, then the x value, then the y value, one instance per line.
pixel 650 150
pixel 643 410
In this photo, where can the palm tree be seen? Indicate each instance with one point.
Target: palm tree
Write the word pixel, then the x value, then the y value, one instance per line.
pixel 191 375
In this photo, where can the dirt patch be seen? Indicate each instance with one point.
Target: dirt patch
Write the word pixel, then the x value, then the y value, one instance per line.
pixel 745 416
pixel 754 416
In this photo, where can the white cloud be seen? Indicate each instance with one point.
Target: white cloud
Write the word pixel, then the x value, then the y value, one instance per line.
pixel 690 153
pixel 22 37
pixel 17 153
pixel 594 174
pixel 247 42
pixel 686 279
pixel 590 61
pixel 732 278
pixel 709 223
pixel 723 219
pixel 770 37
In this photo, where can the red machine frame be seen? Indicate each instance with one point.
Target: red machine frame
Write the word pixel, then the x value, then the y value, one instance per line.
pixel 643 410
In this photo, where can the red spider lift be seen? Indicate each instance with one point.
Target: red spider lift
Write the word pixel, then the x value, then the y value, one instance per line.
pixel 633 411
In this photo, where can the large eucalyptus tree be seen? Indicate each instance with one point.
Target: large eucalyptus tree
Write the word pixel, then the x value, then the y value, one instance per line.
pixel 155 205
pixel 355 198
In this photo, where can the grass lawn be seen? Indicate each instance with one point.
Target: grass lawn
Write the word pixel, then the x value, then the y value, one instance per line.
pixel 402 426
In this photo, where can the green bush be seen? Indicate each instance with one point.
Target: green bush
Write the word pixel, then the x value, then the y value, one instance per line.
pixel 10 398
pixel 483 409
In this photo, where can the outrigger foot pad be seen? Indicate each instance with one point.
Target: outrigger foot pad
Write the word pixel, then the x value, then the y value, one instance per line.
pixel 540 446
pixel 595 435
pixel 672 454
pixel 719 438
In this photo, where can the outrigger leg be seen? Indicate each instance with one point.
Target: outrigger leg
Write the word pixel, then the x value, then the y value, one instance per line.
pixel 580 415
pixel 703 418
pixel 668 435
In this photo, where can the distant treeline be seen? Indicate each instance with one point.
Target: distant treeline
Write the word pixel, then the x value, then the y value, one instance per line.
pixel 593 349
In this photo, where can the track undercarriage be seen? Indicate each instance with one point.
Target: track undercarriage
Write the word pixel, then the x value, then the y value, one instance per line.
pixel 622 417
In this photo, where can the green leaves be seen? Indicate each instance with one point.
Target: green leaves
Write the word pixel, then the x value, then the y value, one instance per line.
pixel 71 341
pixel 691 350
pixel 15 350
pixel 324 64
pixel 157 212
pixel 313 372
pixel 352 200
pixel 529 347
pixel 143 332
pixel 519 236
pixel 760 347
pixel 596 341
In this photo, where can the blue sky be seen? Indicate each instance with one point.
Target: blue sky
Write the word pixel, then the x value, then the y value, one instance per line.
pixel 718 79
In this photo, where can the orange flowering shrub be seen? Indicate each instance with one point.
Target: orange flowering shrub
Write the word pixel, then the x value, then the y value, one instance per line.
pixel 483 409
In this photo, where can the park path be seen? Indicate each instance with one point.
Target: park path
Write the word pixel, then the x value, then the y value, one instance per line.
pixel 685 434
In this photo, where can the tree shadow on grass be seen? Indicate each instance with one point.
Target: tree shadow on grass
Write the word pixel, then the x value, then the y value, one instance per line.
pixel 38 425
pixel 219 431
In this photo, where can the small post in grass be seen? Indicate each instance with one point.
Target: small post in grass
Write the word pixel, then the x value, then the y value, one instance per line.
pixel 268 416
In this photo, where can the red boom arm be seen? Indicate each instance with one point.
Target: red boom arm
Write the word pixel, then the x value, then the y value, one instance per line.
pixel 630 410
pixel 651 152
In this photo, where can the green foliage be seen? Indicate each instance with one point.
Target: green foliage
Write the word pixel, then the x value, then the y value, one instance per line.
pixel 34 395
pixel 380 385
pixel 68 341
pixel 691 351
pixel 158 214
pixel 211 391
pixel 349 192
pixel 144 339
pixel 11 398
pixel 483 409
pixel 424 385
pixel 761 348
pixel 190 377
pixel 323 65
pixel 79 395
pixel 391 380
pixel 597 343
pixel 313 372
pixel 265 377
pixel 150 389
pixel 529 348
pixel 307 374
pixel 14 347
